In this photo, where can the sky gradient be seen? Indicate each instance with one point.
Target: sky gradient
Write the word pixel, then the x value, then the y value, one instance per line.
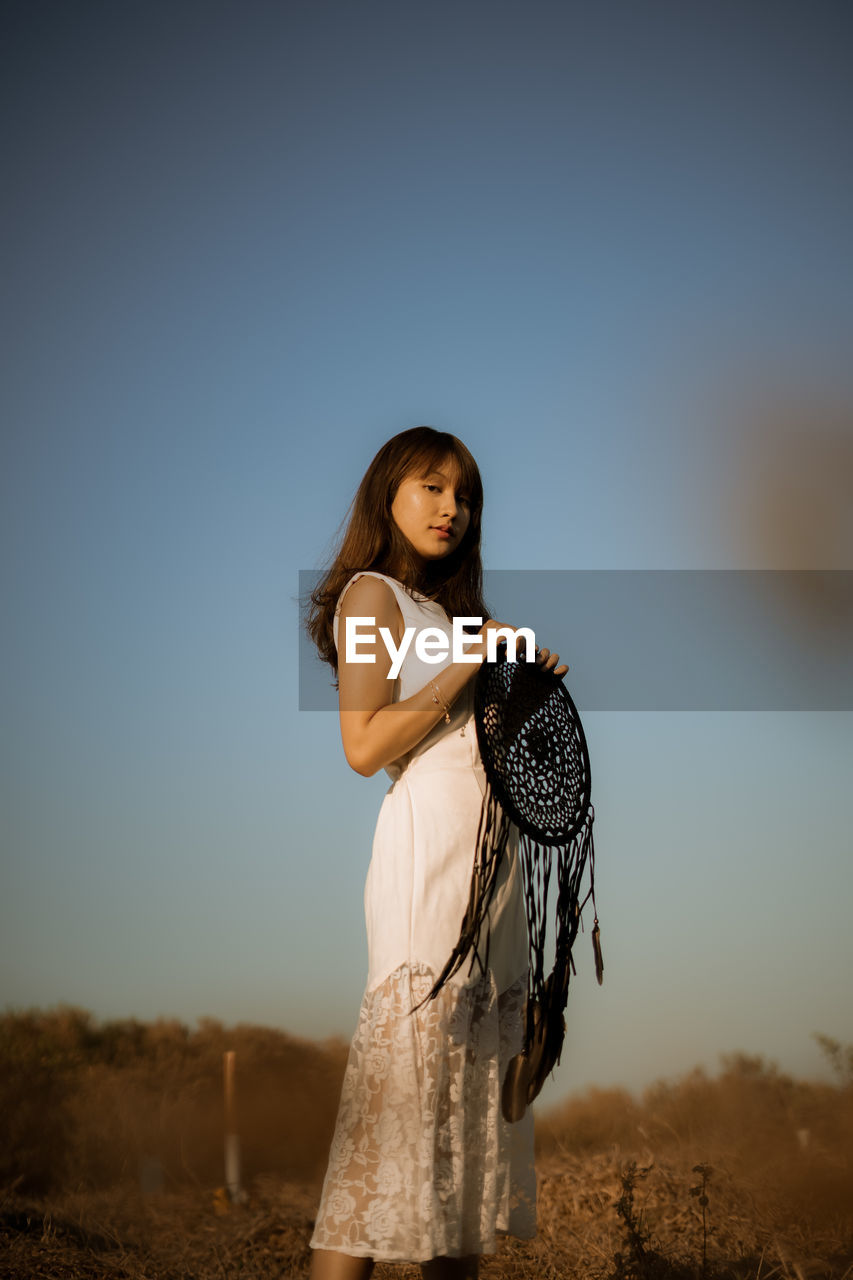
pixel 608 245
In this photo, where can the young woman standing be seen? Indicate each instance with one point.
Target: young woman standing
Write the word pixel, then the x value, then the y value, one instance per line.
pixel 423 1167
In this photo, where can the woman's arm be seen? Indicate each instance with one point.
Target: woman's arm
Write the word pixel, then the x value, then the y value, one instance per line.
pixel 375 730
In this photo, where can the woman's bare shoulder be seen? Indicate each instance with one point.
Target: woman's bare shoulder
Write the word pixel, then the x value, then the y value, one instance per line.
pixel 368 596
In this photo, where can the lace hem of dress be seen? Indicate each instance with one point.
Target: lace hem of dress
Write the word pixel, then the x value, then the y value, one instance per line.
pixel 422 1163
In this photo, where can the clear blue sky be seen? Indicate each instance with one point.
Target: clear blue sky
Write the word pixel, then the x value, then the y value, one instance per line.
pixel 609 246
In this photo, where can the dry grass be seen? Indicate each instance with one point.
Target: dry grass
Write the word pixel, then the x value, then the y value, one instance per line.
pixel 110 1150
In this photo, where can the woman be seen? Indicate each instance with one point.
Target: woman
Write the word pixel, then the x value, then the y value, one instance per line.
pixel 423 1167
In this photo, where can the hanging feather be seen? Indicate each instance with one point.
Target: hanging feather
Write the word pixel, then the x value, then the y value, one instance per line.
pixel 596 951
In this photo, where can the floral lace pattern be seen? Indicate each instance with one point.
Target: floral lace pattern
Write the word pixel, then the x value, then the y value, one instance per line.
pixel 422 1163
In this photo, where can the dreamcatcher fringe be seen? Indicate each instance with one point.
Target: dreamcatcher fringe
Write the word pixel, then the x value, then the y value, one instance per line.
pixel 546 996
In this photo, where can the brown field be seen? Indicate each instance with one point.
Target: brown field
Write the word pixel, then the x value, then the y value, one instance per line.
pixel 111 1163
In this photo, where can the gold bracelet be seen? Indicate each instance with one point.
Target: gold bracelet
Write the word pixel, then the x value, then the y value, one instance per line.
pixel 438 698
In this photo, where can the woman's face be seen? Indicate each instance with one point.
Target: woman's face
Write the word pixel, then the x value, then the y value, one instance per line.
pixel 431 512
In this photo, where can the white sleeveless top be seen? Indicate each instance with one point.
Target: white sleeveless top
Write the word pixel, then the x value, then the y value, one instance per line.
pixel 425 841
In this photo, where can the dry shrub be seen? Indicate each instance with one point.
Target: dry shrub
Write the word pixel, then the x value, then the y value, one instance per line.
pixel 34 1125
pixel 93 1114
pixel 592 1121
pixel 86 1105
pixel 786 1142
pixel 782 1149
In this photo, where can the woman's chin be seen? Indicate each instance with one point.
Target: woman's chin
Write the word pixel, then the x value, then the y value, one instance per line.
pixel 440 552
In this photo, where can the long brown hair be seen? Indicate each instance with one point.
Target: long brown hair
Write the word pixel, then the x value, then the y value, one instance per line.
pixel 373 541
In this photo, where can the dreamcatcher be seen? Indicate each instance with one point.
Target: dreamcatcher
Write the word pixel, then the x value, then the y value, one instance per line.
pixel 537 768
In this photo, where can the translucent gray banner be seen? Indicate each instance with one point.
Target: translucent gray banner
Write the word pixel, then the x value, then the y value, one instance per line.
pixel 670 640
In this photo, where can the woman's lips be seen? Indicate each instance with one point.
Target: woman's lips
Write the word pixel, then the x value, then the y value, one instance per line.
pixel 442 531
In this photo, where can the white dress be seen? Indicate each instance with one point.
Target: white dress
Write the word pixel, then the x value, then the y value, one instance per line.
pixel 422 1163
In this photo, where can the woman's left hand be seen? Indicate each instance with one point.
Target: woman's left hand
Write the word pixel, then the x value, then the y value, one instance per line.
pixel 544 657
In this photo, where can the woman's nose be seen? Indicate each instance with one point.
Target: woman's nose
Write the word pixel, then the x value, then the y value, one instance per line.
pixel 449 506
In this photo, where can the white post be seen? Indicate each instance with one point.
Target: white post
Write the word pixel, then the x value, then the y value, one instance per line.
pixel 232 1140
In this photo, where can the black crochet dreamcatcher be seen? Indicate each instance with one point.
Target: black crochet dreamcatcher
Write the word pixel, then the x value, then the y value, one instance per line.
pixel 537 769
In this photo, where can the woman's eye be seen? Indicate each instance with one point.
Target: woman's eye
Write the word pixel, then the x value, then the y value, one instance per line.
pixel 460 497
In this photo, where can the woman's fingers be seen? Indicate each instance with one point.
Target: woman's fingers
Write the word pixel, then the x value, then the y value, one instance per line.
pixel 544 658
pixel 549 661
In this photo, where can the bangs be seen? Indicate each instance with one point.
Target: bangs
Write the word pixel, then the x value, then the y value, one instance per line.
pixel 436 455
